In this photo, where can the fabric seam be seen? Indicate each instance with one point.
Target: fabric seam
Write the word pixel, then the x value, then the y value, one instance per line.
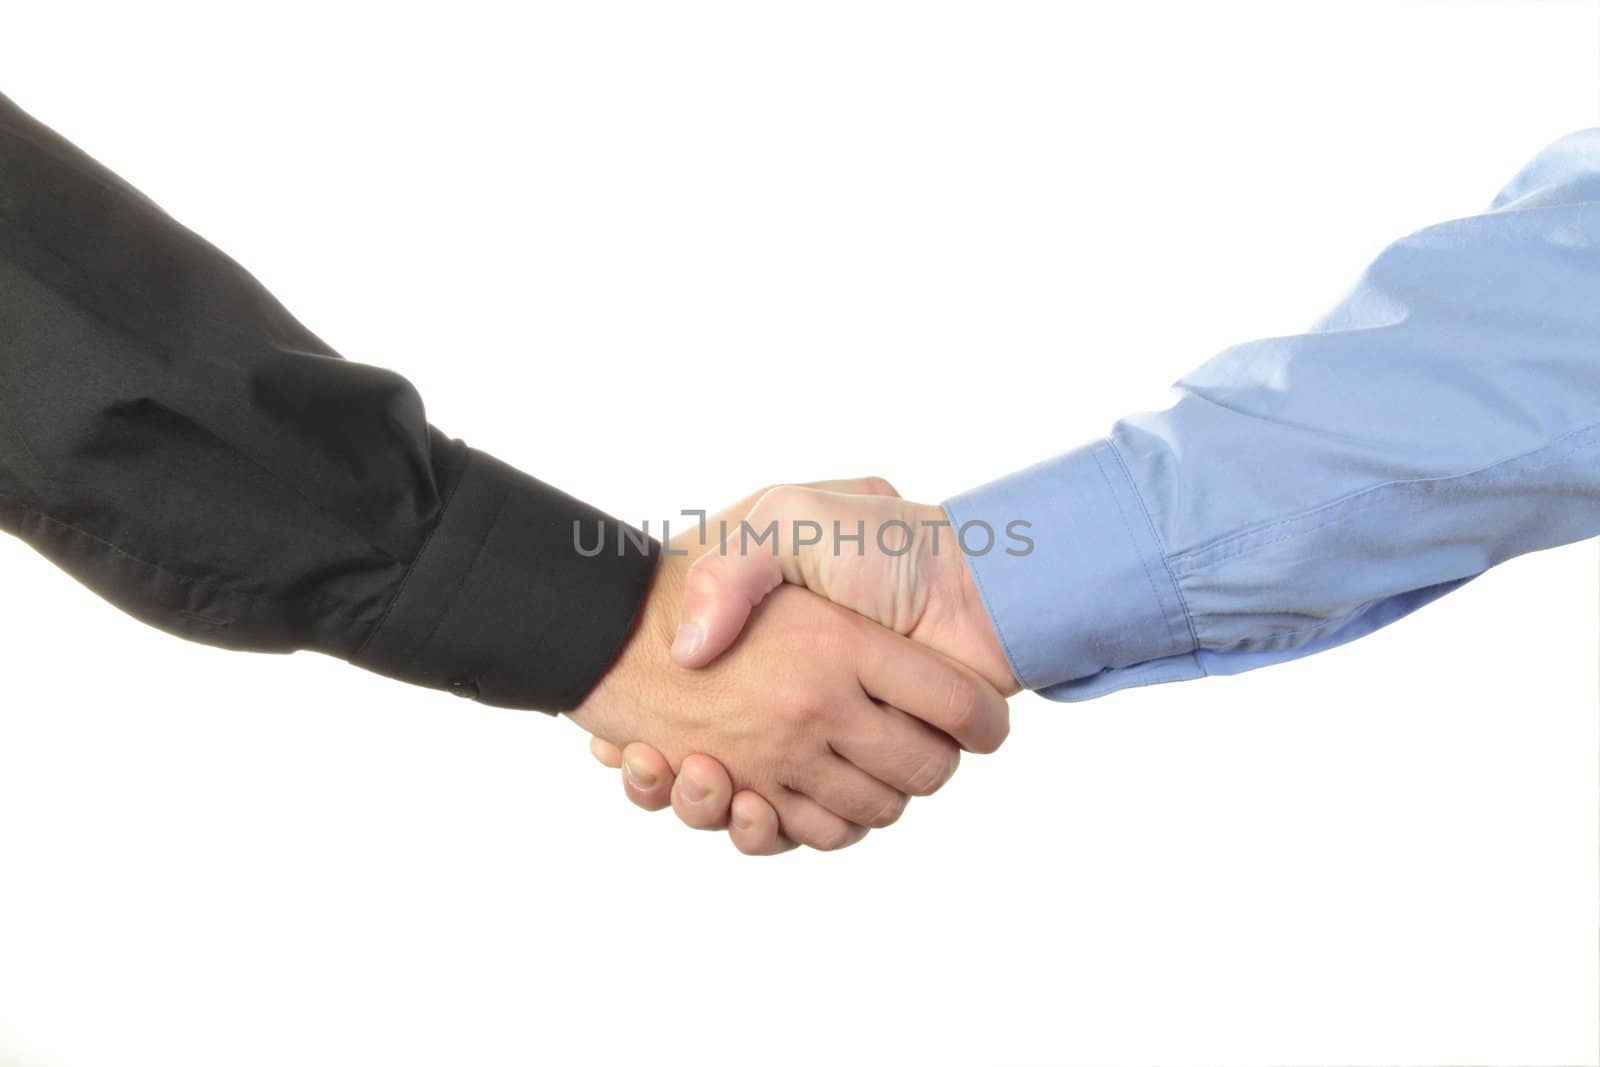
pixel 1349 505
pixel 1155 537
pixel 182 579
pixel 422 554
pixel 1127 529
pixel 983 594
pixel 455 593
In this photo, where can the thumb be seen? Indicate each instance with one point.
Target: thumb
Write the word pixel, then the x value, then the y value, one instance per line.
pixel 856 487
pixel 850 486
pixel 767 548
pixel 719 593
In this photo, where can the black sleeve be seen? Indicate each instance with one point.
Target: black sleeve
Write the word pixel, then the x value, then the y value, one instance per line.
pixel 176 441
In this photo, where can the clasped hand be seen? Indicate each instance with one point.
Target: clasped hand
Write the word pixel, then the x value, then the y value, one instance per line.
pixel 798 688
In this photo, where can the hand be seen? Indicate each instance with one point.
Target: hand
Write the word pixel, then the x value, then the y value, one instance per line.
pixel 832 740
pixel 914 580
pixel 906 572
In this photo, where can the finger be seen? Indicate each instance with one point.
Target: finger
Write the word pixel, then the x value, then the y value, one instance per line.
pixel 936 690
pixel 724 586
pixel 703 793
pixel 806 822
pixel 849 792
pixel 719 593
pixel 753 826
pixel 855 487
pixel 646 777
pixel 899 750
pixel 606 752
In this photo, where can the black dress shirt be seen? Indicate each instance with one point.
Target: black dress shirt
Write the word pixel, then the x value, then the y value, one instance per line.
pixel 175 440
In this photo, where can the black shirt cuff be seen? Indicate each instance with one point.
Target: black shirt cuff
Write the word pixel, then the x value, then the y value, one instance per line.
pixel 503 604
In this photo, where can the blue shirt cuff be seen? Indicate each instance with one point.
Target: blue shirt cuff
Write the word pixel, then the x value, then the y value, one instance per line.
pixel 1093 594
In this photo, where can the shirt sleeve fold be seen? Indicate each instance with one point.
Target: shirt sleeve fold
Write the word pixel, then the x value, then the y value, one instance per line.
pixel 1088 592
pixel 503 605
pixel 1305 491
pixel 172 437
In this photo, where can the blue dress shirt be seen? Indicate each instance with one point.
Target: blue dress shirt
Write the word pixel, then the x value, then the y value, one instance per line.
pixel 1305 491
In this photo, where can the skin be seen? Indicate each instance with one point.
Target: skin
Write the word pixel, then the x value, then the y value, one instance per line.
pixel 926 593
pixel 913 580
pixel 827 745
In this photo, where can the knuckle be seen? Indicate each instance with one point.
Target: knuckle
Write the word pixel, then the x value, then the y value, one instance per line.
pixel 889 812
pixel 833 837
pixel 774 500
pixel 701 575
pixel 805 712
pixel 807 708
pixel 877 486
pixel 962 705
pixel 1004 729
pixel 934 771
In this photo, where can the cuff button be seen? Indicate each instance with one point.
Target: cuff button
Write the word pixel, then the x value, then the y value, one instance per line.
pixel 465 688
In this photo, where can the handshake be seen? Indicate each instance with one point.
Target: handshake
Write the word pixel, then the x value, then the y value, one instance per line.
pixel 804 715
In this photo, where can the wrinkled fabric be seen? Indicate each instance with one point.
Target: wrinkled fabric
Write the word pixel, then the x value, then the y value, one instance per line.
pixel 1305 491
pixel 173 438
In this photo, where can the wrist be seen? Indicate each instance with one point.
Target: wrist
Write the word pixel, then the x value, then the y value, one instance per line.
pixel 957 614
pixel 631 679
pixel 998 670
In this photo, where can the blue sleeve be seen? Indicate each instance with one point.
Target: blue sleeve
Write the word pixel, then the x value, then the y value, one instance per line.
pixel 1304 491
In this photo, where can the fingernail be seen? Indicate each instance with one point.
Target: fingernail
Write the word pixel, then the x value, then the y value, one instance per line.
pixel 693 791
pixel 742 821
pixel 637 776
pixel 691 635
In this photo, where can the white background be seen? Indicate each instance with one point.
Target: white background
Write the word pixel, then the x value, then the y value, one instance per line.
pixel 663 253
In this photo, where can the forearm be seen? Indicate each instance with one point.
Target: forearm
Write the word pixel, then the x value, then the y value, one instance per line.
pixel 1306 490
pixel 171 436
